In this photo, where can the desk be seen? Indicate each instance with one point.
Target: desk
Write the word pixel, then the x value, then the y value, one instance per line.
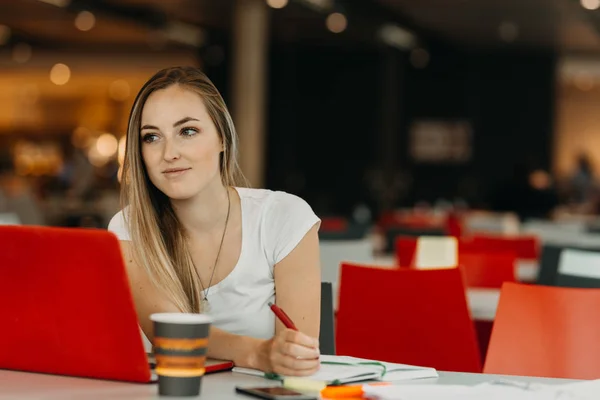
pixel 20 385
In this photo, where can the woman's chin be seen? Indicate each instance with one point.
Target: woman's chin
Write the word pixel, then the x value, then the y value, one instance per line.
pixel 179 195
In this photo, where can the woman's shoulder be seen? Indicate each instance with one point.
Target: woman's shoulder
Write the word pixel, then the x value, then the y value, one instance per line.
pixel 272 200
pixel 118 225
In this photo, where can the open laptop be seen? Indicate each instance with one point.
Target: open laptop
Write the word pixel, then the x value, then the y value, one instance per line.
pixel 66 306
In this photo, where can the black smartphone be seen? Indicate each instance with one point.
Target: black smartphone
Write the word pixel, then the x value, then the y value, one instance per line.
pixel 274 393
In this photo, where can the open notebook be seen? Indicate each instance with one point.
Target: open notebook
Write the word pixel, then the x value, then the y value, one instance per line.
pixel 336 370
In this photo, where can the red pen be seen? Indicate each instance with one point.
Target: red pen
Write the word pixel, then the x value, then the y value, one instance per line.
pixel 283 317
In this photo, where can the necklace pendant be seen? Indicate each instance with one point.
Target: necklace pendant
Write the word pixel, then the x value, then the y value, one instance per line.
pixel 205 306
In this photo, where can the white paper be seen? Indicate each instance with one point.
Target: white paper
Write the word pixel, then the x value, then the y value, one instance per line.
pixel 495 390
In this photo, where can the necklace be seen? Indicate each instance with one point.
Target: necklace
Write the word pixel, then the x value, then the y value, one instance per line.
pixel 204 302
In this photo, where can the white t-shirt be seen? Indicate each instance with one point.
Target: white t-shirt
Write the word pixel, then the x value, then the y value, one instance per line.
pixel 273 223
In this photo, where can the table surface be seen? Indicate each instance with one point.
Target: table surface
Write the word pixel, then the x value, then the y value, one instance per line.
pixel 21 385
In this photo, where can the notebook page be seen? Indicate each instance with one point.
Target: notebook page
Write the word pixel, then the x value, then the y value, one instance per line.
pixel 394 371
pixel 345 373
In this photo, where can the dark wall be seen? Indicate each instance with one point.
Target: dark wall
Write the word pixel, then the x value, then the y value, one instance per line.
pixel 509 99
pixel 326 127
pixel 323 123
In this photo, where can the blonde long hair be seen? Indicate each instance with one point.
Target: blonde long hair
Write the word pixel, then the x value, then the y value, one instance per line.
pixel 158 239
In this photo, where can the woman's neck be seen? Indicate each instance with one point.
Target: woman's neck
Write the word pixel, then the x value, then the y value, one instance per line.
pixel 205 211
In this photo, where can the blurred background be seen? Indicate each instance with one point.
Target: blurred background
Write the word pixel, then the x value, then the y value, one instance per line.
pixel 362 107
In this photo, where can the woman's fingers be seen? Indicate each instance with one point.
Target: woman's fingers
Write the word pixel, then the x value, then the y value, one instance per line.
pixel 294 353
pixel 300 338
pixel 297 351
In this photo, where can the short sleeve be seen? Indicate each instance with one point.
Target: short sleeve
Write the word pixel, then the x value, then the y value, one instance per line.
pixel 118 226
pixel 286 220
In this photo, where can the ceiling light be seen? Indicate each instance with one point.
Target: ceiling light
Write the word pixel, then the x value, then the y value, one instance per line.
pixel 277 3
pixel 336 22
pixel 590 4
pixel 60 74
pixel 57 3
pixel 107 145
pixel 318 5
pixel 395 36
pixel 85 21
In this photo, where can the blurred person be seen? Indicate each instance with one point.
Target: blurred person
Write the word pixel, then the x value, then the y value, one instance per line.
pixel 17 197
pixel 196 241
pixel 582 181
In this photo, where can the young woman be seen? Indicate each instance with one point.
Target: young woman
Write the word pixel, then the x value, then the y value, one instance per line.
pixel 195 241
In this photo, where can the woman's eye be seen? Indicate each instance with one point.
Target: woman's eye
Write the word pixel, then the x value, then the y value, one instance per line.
pixel 149 138
pixel 189 131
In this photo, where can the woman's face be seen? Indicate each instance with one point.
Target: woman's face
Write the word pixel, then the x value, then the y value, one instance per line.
pixel 180 144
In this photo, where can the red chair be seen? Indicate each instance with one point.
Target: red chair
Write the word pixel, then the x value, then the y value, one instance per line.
pixel 487 270
pixel 525 247
pixel 334 224
pixel 405 248
pixel 409 316
pixel 546 331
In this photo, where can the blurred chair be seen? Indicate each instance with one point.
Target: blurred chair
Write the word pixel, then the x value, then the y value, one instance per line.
pixel 525 247
pixel 545 331
pixel 392 233
pixel 351 231
pixel 333 252
pixel 578 268
pixel 410 316
pixel 426 251
pixel 405 249
pixel 9 219
pixel 489 222
pixel 549 262
pixel 436 252
pixel 488 270
pixel 327 331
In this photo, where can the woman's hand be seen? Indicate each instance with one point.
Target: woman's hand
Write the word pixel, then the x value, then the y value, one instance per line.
pixel 290 353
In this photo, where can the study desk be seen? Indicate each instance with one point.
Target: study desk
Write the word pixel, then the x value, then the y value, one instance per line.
pixel 220 386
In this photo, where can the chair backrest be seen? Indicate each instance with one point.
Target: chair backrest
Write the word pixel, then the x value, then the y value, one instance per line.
pixel 327 331
pixel 9 219
pixel 489 269
pixel 405 248
pixel 436 252
pixel 545 331
pixel 549 263
pixel 578 268
pixel 410 316
pixel 525 247
pixel 488 222
pixel 392 233
pixel 426 251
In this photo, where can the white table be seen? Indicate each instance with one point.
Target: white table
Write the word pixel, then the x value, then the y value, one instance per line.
pixel 220 386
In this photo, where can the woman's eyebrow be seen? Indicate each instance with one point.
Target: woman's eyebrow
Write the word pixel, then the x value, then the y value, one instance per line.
pixel 175 125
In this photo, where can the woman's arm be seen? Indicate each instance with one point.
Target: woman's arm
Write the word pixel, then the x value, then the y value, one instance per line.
pixel 297 279
pixel 298 285
pixel 149 300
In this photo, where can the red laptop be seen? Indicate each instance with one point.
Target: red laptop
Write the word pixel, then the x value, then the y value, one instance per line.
pixel 66 306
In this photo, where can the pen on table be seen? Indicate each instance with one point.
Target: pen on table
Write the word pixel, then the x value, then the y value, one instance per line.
pixel 283 317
